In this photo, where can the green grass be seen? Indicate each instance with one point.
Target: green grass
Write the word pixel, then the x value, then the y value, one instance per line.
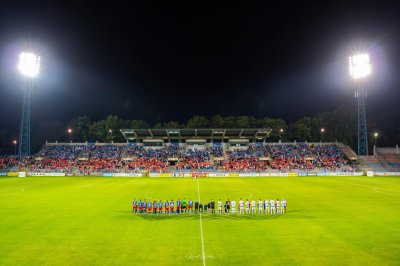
pixel 88 221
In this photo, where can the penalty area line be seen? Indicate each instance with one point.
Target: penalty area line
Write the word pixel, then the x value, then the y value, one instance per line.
pixel 201 227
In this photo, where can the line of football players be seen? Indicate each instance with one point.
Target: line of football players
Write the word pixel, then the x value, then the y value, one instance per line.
pixel 229 206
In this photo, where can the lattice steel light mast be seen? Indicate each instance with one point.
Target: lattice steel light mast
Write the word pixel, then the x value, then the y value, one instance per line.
pixel 360 68
pixel 29 64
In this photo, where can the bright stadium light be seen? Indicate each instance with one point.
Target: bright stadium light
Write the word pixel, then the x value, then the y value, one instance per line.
pixel 359 66
pixel 29 64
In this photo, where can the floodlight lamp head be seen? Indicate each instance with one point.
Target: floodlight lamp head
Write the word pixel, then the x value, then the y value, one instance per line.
pixel 29 64
pixel 359 66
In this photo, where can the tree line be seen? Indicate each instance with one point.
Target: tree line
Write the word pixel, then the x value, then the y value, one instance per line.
pixel 339 125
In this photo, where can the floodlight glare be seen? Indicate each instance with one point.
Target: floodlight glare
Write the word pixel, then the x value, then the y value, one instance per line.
pixel 29 64
pixel 359 66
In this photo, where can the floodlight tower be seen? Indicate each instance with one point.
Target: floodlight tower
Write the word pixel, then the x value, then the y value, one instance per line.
pixel 360 68
pixel 29 64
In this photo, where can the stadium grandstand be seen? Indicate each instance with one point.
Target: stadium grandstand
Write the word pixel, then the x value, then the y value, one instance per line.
pixel 385 159
pixel 182 151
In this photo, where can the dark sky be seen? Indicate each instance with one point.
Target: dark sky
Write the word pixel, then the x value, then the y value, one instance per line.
pixel 165 61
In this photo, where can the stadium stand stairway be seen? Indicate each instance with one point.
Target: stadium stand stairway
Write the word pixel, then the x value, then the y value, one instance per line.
pixel 348 152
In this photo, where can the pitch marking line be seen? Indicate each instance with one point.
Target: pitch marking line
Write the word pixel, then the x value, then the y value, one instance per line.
pixel 201 227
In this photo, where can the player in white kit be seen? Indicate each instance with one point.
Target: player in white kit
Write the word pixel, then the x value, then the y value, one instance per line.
pixel 260 206
pixel 266 206
pixel 272 206
pixel 247 205
pixel 278 206
pixel 253 206
pixel 219 206
pixel 233 205
pixel 241 206
pixel 283 205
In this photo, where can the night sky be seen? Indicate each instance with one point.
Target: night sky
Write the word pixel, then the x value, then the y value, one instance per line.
pixel 164 61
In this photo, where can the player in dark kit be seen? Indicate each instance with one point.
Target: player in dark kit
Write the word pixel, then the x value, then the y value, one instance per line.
pixel 196 207
pixel 212 205
pixel 228 206
pixel 200 207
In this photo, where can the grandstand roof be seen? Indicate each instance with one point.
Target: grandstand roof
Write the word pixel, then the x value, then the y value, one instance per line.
pixel 196 133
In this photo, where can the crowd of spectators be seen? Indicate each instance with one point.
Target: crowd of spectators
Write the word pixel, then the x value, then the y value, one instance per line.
pixel 69 152
pixel 195 159
pixel 252 152
pixel 170 151
pixel 7 162
pixel 111 158
pixel 147 164
pixel 99 165
pixel 305 156
pixel 216 151
pixel 51 165
pixel 245 165
pixel 105 151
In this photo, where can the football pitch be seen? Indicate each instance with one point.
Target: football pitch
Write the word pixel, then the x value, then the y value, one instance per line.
pixel 88 221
